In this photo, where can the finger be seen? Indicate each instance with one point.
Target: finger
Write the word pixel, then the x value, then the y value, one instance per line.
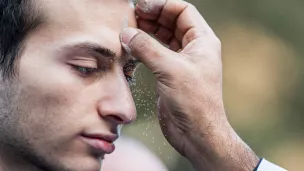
pixel 191 25
pixel 163 11
pixel 164 35
pixel 148 26
pixel 175 45
pixel 149 9
pixel 176 15
pixel 143 47
pixel 161 33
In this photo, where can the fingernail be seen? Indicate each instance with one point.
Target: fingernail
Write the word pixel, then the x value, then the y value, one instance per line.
pixel 151 6
pixel 127 35
pixel 145 5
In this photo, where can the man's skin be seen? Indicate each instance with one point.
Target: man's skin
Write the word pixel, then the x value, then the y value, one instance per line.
pixel 54 100
pixel 131 155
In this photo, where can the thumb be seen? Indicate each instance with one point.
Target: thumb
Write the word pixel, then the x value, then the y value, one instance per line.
pixel 145 48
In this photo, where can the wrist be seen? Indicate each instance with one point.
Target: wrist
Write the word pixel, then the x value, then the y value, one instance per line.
pixel 223 149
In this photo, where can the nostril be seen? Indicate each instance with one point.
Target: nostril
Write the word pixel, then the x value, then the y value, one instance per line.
pixel 116 118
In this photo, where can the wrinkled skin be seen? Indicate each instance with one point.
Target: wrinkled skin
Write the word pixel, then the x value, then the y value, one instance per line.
pixel 189 84
pixel 51 103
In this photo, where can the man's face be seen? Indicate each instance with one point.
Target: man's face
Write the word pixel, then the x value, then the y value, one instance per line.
pixel 71 85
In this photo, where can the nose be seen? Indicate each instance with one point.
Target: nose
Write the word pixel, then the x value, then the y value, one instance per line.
pixel 116 104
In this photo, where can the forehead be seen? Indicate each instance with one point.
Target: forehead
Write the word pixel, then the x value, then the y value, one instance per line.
pixel 69 11
pixel 96 21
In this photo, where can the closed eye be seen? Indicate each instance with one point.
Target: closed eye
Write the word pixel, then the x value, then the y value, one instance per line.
pixel 130 76
pixel 130 80
pixel 84 71
pixel 129 69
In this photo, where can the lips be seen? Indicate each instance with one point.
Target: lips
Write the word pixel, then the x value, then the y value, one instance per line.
pixel 102 144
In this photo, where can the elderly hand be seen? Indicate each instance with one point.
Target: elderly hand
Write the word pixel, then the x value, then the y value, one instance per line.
pixel 189 84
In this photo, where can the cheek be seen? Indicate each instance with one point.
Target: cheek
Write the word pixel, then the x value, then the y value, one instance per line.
pixel 43 113
pixel 47 99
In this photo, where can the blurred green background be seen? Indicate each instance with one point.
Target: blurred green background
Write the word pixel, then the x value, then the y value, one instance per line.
pixel 263 81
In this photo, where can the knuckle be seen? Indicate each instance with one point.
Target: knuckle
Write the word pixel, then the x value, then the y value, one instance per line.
pixel 191 6
pixel 218 47
pixel 189 36
pixel 217 42
pixel 193 34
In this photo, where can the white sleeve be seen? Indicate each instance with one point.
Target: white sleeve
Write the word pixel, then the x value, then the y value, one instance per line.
pixel 267 166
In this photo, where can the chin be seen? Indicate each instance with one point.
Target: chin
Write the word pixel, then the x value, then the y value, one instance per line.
pixel 88 165
pixel 82 164
pixel 79 158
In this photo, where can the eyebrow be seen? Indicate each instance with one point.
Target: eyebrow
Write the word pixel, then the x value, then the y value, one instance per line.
pixel 102 51
pixel 93 48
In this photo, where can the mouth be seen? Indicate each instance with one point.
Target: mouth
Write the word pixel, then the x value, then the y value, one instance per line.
pixel 101 144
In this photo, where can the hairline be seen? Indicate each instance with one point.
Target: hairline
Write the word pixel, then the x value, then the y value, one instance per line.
pixel 33 18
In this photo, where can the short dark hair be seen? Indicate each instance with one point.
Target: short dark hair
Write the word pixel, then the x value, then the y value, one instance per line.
pixel 17 19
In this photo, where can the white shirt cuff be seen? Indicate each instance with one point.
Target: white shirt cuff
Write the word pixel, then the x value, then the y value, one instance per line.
pixel 267 166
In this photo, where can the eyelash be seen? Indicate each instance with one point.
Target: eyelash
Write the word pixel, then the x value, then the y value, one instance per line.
pixel 86 71
pixel 131 80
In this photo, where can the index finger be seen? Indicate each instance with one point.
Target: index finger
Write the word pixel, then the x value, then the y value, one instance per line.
pixel 177 15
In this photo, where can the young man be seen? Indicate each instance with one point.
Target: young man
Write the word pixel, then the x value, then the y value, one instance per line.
pixel 64 87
